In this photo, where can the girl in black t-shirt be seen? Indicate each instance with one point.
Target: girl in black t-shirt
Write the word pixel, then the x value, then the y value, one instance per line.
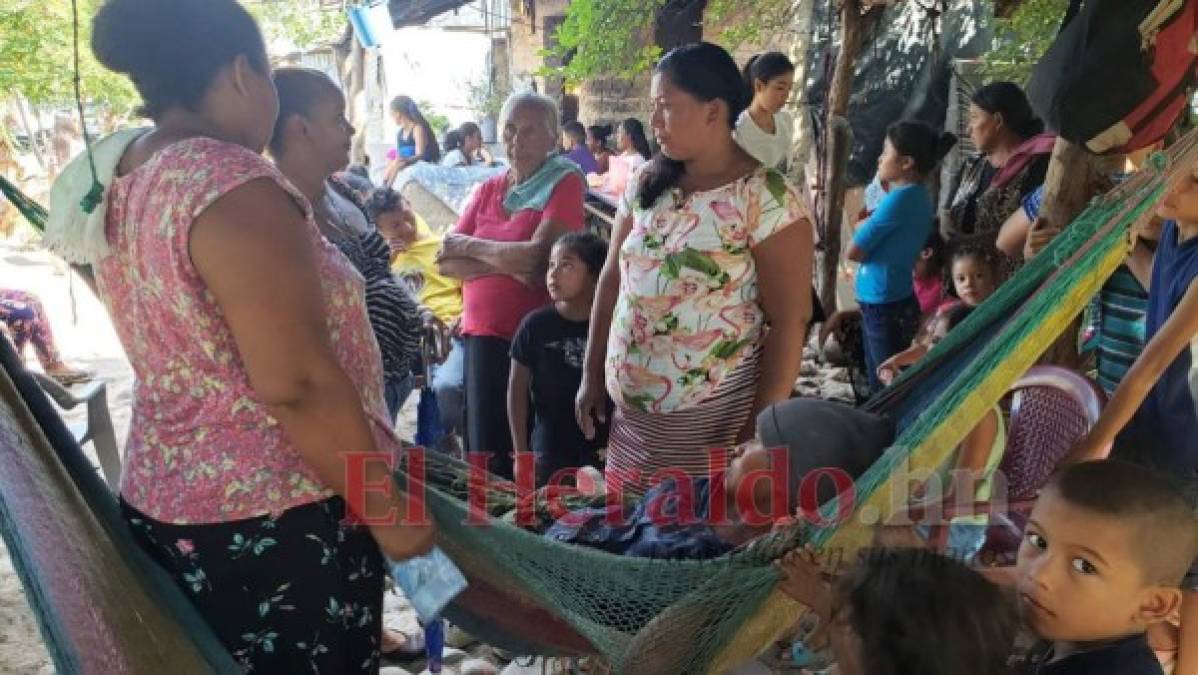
pixel 547 359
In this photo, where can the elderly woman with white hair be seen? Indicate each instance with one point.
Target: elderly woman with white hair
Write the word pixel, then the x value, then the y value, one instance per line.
pixel 500 248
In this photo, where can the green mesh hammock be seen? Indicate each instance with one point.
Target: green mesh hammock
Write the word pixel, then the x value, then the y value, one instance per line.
pixel 648 616
pixel 536 596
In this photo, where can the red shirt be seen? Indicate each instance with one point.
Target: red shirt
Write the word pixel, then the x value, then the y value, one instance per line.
pixel 495 305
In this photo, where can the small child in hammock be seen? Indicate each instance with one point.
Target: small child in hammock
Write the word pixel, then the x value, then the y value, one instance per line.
pixel 975 278
pixel 707 517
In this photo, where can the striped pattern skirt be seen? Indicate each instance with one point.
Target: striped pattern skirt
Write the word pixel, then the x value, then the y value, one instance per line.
pixel 645 447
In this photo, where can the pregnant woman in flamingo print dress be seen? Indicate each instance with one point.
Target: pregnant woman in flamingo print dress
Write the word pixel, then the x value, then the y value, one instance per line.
pixel 703 304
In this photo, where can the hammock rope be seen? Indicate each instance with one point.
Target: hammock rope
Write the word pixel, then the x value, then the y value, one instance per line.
pixel 95 195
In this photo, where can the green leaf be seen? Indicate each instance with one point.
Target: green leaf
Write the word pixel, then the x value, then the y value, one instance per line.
pixel 725 349
pixel 671 267
pixel 776 184
pixel 1020 41
pixel 698 261
pixel 640 402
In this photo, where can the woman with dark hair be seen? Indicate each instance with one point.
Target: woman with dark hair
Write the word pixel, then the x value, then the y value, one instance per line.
pixel 764 130
pixel 415 141
pixel 257 371
pixel 311 143
pixel 467 148
pixel 1012 161
pixel 500 248
pixel 630 139
pixel 633 153
pixel 597 143
pixel 709 248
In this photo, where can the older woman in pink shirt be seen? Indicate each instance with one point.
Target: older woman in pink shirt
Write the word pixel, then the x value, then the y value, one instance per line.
pixel 500 247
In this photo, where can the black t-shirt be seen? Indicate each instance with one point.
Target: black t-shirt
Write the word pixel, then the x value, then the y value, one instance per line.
pixel 1129 656
pixel 552 348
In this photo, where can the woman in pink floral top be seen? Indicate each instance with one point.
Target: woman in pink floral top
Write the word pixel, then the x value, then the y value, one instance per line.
pixel 703 305
pixel 258 376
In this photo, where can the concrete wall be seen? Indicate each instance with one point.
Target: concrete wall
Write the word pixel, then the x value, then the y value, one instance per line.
pixel 528 38
pixel 607 100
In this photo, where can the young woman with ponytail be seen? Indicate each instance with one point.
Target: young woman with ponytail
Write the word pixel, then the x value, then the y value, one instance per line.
pixel 764 130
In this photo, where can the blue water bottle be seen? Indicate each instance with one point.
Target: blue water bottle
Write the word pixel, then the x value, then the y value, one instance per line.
pixel 434 644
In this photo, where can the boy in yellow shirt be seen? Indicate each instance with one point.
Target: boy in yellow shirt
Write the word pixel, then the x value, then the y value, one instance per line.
pixel 415 253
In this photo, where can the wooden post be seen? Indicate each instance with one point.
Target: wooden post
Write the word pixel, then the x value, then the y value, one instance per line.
pixel 852 34
pixel 1074 177
pixel 1069 184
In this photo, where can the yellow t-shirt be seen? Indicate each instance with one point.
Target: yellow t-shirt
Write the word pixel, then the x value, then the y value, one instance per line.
pixel 418 266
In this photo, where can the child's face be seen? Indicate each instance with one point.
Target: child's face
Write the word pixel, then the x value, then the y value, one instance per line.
pixel 568 277
pixel 1078 577
pixel 747 460
pixel 891 165
pixel 397 225
pixel 973 280
pixel 1181 203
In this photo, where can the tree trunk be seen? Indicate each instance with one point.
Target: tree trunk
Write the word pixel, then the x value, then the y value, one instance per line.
pixel 1074 177
pixel 852 35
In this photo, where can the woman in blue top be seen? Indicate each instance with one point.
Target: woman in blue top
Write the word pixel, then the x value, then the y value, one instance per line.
pixel 415 141
pixel 888 243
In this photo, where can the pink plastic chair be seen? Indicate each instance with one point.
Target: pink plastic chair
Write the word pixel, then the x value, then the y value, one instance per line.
pixel 1052 409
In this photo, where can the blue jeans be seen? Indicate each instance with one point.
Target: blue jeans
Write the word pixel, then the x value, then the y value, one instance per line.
pixel 395 393
pixel 887 329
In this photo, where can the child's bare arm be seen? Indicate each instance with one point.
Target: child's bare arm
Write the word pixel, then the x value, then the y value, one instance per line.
pixel 910 355
pixel 1174 336
pixel 975 450
pixel 890 367
pixel 803 580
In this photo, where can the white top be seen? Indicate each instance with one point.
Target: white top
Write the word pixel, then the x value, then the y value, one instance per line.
pixel 772 150
pixel 454 158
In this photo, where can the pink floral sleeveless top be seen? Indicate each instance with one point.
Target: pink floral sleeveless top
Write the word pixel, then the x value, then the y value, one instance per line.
pixel 201 448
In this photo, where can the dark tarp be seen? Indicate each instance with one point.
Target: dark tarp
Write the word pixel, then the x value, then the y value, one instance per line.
pixel 419 12
pixel 900 72
pixel 1143 45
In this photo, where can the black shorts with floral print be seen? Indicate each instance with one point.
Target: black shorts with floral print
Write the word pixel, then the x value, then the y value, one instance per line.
pixel 297 593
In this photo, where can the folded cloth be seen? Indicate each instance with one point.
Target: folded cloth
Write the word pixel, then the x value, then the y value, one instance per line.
pixel 71 232
pixel 534 193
